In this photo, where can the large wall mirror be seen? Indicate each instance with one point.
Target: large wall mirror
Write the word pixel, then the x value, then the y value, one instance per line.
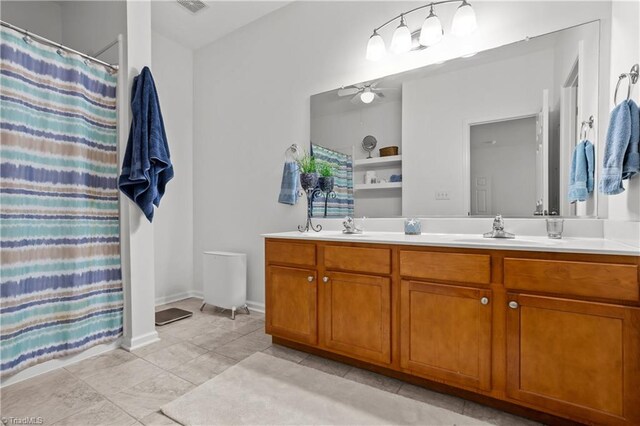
pixel 477 136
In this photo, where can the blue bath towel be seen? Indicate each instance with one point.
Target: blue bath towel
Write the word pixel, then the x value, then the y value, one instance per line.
pixel 147 167
pixel 581 174
pixel 631 165
pixel 618 135
pixel 290 183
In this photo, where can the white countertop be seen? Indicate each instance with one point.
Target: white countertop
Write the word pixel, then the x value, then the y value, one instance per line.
pixel 524 243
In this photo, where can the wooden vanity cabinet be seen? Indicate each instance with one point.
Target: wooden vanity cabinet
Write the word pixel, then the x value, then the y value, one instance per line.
pixel 445 333
pixel 357 315
pixel 575 357
pixel 292 298
pixel 291 293
pixel 556 333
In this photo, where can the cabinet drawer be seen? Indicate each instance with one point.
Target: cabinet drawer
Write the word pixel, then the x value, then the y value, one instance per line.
pixel 291 253
pixel 358 259
pixel 469 268
pixel 587 279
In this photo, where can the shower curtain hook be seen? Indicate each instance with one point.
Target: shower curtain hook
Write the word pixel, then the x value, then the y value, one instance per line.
pixel 27 39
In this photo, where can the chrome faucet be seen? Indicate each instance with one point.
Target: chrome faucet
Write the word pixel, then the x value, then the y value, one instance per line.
pixel 498 229
pixel 350 226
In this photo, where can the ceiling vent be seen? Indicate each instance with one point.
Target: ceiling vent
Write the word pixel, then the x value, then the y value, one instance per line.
pixel 193 6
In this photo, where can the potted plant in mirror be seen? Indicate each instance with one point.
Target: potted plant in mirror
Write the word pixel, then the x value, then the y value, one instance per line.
pixel 326 179
pixel 308 172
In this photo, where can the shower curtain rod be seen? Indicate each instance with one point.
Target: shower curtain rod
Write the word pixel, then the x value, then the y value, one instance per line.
pixel 58 45
pixel 104 49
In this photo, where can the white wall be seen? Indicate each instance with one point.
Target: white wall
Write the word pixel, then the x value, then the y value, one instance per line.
pixel 172 67
pixel 41 17
pixel 625 51
pixel 86 26
pixel 434 132
pixel 252 92
pixel 507 164
pixel 89 26
pixel 345 130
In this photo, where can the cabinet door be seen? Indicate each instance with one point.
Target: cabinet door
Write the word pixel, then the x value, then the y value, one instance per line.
pixel 446 333
pixel 358 315
pixel 291 304
pixel 576 358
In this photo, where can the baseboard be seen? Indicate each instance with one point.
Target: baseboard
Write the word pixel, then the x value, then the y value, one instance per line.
pixel 129 344
pixel 255 306
pixel 57 363
pixel 178 296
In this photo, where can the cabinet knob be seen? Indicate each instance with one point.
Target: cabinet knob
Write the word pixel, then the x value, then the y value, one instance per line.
pixel 325 279
pixel 310 278
pixel 513 304
pixel 484 300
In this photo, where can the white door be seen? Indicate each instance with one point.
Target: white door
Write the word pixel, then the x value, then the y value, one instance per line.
pixel 481 196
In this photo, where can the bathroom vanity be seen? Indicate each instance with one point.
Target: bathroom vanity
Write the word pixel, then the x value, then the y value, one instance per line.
pixel 549 326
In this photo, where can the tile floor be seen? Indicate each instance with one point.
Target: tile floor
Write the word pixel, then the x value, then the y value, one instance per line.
pixel 122 388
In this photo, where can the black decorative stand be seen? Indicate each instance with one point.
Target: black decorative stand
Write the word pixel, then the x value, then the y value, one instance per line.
pixel 312 193
pixel 327 195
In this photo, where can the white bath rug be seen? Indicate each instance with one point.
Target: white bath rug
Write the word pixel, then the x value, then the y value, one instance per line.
pixel 264 390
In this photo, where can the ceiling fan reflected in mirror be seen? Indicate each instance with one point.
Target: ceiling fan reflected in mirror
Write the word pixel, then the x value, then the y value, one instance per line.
pixel 365 93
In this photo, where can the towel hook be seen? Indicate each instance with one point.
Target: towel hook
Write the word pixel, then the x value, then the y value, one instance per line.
pixel 585 127
pixel 632 75
pixel 292 151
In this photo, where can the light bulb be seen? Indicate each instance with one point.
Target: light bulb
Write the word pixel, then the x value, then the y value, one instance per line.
pixel 464 21
pixel 367 96
pixel 401 42
pixel 431 31
pixel 376 49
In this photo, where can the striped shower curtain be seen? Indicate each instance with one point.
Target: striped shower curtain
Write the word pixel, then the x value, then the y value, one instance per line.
pixel 342 204
pixel 60 282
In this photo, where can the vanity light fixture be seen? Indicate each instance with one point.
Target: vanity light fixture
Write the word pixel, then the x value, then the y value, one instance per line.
pixel 431 32
pixel 464 21
pixel 376 49
pixel 401 41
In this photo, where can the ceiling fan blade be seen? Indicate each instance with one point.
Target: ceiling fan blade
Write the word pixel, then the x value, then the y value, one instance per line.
pixel 374 84
pixel 356 99
pixel 347 91
pixel 379 89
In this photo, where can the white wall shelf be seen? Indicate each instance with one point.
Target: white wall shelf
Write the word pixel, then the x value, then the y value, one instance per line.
pixel 379 161
pixel 386 185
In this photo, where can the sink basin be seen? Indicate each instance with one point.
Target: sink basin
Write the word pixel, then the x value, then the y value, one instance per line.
pixel 507 241
pixel 337 234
